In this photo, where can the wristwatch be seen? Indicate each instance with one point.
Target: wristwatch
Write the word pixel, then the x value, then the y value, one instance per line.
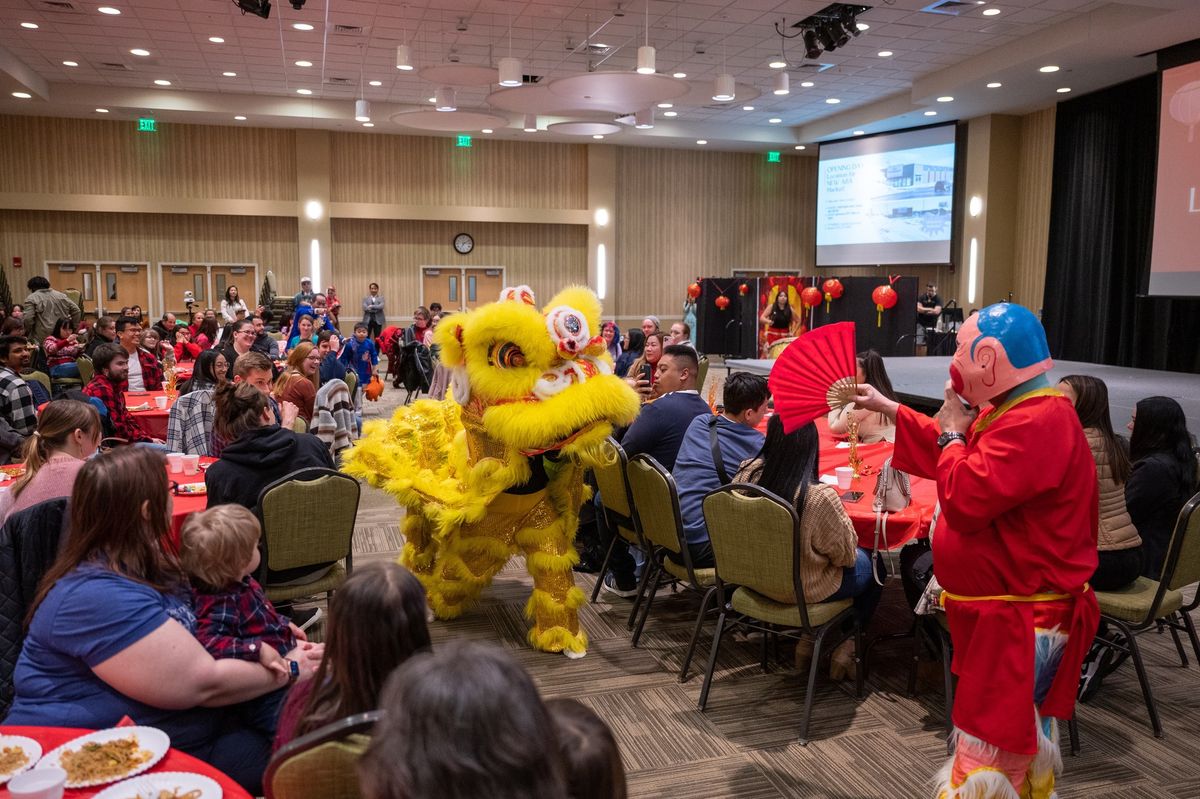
pixel 293 671
pixel 948 436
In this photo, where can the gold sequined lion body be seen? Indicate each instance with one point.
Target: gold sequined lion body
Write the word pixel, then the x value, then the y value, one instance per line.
pixel 498 469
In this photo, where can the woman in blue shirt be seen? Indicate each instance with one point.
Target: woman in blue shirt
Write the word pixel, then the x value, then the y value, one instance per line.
pixel 304 332
pixel 111 632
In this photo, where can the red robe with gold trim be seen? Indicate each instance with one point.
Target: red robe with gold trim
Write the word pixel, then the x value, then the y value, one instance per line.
pixel 1019 516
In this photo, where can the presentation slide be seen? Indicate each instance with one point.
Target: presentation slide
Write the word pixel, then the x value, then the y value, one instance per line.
pixel 1175 252
pixel 886 199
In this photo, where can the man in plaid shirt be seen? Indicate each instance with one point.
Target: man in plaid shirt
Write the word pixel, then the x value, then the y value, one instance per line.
pixel 16 399
pixel 109 385
pixel 144 372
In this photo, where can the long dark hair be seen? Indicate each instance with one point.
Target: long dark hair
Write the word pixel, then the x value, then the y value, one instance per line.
pixel 1160 426
pixel 204 373
pixel 636 340
pixel 1091 406
pixel 789 461
pixel 781 317
pixel 376 623
pixel 462 722
pixel 109 527
pixel 589 751
pixel 876 373
pixel 59 324
pixel 209 328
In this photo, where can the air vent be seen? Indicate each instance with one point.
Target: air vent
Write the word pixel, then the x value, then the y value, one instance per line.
pixel 59 7
pixel 596 49
pixel 531 79
pixel 948 7
pixel 349 30
pixel 113 67
pixel 339 81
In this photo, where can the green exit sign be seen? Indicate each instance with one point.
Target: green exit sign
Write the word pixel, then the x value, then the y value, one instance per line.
pixel 147 125
pixel 773 157
pixel 463 140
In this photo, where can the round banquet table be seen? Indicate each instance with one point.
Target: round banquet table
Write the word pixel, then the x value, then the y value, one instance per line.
pixel 153 420
pixel 52 737
pixel 902 527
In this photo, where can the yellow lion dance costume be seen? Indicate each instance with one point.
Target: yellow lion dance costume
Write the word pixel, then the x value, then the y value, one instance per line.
pixel 500 468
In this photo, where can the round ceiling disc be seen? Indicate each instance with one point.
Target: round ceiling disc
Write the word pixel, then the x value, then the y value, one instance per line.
pixel 585 128
pixel 618 91
pixel 460 75
pixel 539 100
pixel 446 121
pixel 700 94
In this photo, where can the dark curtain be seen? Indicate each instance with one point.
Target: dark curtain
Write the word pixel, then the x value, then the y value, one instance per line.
pixel 1101 224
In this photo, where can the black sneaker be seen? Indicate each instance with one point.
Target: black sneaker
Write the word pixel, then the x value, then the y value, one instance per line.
pixel 1095 669
pixel 304 618
pixel 613 587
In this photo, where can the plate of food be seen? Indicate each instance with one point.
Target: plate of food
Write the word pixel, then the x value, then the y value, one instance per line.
pixel 17 754
pixel 191 489
pixel 108 755
pixel 164 785
pixel 13 469
pixel 145 406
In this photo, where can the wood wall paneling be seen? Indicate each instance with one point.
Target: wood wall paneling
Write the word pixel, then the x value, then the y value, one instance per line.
pixel 391 253
pixel 1035 173
pixel 92 156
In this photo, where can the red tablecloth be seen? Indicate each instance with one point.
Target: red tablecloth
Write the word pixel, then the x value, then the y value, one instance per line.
pixel 53 737
pixel 153 421
pixel 902 527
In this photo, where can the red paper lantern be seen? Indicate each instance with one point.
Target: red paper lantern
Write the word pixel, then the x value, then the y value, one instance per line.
pixel 743 290
pixel 811 297
pixel 833 290
pixel 722 302
pixel 885 297
pixel 694 291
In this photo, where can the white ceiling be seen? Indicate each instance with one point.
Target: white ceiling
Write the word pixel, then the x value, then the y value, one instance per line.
pixel 1096 44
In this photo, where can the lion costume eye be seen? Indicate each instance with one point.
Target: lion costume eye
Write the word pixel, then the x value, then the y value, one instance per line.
pixel 506 356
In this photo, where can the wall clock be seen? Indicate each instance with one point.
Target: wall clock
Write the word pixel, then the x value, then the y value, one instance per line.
pixel 463 243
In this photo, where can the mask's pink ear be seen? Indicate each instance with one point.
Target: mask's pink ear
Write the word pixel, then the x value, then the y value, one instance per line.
pixel 986 358
pixel 450 337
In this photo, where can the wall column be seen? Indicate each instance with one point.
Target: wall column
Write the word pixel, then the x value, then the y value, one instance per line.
pixel 993 158
pixel 312 213
pixel 602 225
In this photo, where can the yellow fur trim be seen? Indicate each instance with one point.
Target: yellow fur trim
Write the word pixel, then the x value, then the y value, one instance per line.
pixel 545 562
pixel 557 639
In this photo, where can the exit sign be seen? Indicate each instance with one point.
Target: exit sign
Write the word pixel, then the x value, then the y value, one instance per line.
pixel 147 125
pixel 463 140
pixel 773 157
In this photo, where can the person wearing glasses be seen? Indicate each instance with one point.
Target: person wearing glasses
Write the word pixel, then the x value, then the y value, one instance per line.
pixel 299 382
pixel 241 341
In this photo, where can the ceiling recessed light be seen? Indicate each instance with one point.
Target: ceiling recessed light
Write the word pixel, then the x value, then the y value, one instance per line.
pixel 945 98
pixel 216 40
pixel 670 113
pixel 161 82
pixel 777 63
pixel 112 12
pixel 832 100
pixel 302 26
pixel 240 118
pixel 1064 90
pixel 800 147
pixel 139 51
pixel 303 91
pixel 597 136
pixel 303 63
pixel 747 108
pixel 860 133
pixel 679 75
pixel 229 74
pixel 22 95
pixel 885 53
pixel 486 130
pixel 862 26
pixel 1048 68
pixel 701 141
pixel 29 26
pixel 70 63
pixel 666 105
pixel 368 124
pixel 374 83
pixel 808 84
pixel 101 110
pixel 931 113
pixel 995 84
pixel 774 120
pixel 991 12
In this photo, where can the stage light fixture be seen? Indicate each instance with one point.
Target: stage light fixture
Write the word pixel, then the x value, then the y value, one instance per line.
pixel 826 38
pixel 297 4
pixel 259 8
pixel 812 48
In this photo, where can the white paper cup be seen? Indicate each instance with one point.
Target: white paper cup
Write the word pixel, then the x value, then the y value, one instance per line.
pixel 845 475
pixel 40 783
pixel 191 464
pixel 161 403
pixel 175 462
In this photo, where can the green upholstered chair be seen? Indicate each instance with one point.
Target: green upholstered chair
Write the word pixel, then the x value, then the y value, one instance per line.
pixel 40 377
pixel 322 764
pixel 702 372
pixel 308 519
pixel 755 538
pixel 1150 604
pixel 618 510
pixel 656 505
pixel 64 383
pixel 351 381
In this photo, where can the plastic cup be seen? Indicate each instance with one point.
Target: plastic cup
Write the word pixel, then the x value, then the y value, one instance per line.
pixel 40 783
pixel 161 403
pixel 191 464
pixel 175 462
pixel 845 475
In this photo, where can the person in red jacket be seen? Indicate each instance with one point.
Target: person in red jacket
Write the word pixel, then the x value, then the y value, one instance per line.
pixel 1013 552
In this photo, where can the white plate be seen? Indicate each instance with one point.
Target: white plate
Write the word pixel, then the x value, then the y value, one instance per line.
pixel 32 749
pixel 154 741
pixel 147 786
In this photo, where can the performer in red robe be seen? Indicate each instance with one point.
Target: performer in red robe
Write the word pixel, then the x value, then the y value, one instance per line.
pixel 1013 552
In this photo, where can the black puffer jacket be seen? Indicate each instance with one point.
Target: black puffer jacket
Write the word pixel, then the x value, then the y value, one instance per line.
pixel 258 458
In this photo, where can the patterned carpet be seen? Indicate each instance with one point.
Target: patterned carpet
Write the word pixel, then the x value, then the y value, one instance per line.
pixel 884 745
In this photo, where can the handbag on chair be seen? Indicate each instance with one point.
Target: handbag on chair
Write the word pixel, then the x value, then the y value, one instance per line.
pixel 893 493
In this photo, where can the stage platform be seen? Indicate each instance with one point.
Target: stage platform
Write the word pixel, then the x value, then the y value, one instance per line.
pixel 921 382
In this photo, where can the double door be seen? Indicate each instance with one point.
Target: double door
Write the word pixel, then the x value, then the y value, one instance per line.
pixel 461 288
pixel 104 287
pixel 207 284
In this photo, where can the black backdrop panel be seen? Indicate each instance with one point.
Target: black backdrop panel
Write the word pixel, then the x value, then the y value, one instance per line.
pixel 732 332
pixel 895 335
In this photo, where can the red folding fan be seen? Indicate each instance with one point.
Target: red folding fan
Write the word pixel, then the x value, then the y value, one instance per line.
pixel 814 375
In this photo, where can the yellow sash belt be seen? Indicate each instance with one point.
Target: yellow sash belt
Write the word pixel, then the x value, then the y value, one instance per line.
pixel 1009 597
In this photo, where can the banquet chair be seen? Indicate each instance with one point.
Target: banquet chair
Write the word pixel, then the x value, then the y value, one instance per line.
pixel 1146 604
pixel 322 764
pixel 755 538
pixel 61 384
pixel 41 378
pixel 308 519
pixel 613 487
pixel 656 503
